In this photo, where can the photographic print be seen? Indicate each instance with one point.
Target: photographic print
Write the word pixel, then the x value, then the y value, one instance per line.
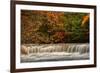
pixel 54 36
pixel 48 36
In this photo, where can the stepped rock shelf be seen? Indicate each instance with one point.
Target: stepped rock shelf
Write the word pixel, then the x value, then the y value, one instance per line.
pixel 54 52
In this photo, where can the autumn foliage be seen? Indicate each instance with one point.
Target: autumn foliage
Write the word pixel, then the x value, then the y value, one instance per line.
pixel 53 27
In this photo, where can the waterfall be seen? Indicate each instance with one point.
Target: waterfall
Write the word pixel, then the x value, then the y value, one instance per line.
pixel 54 52
pixel 51 48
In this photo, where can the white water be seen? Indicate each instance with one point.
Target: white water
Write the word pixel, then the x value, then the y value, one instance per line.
pixel 52 52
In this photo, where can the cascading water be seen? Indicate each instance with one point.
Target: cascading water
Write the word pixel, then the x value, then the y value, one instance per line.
pixel 42 52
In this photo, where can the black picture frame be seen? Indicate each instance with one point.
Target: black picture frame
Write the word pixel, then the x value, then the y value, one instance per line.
pixel 13 35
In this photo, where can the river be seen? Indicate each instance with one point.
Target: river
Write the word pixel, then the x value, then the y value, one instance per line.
pixel 55 52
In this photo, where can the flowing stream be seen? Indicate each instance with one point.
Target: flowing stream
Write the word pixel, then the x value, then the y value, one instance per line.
pixel 54 52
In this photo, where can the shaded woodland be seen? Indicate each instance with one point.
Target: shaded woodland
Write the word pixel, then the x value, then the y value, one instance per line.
pixel 44 27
